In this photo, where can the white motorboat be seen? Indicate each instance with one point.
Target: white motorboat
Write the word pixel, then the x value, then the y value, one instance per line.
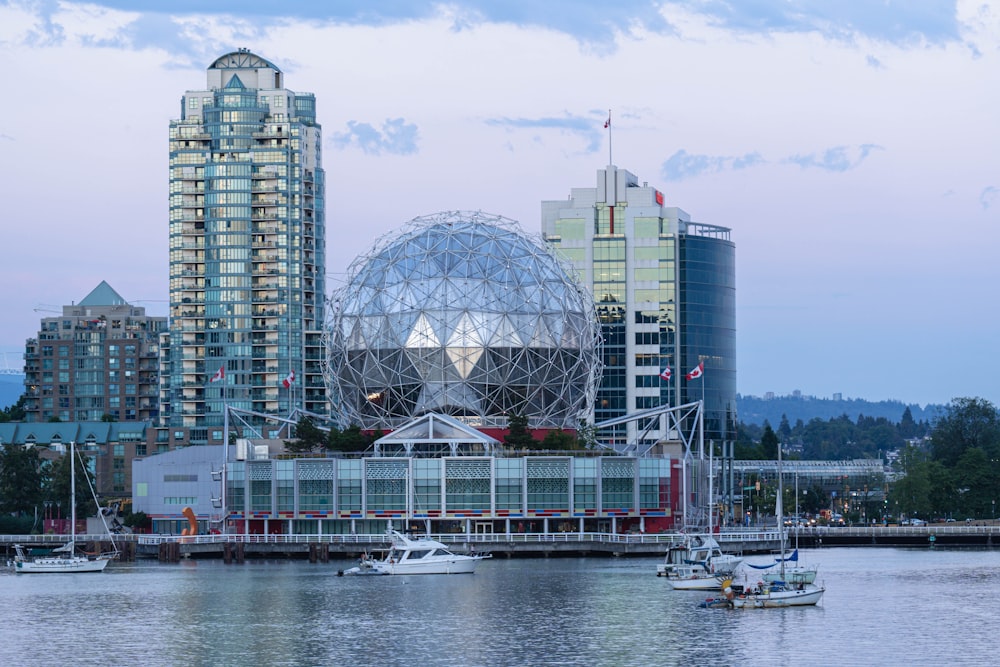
pixel 698 564
pixel 418 556
pixel 66 558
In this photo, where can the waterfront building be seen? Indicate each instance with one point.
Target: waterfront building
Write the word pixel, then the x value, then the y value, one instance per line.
pixel 96 360
pixel 437 474
pixel 247 250
pixel 476 487
pixel 462 313
pixel 110 446
pixel 664 289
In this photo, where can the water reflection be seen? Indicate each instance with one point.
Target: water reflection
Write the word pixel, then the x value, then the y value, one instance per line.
pixel 882 606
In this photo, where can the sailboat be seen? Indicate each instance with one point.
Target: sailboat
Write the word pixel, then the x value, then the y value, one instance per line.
pixel 794 571
pixel 65 558
pixel 780 592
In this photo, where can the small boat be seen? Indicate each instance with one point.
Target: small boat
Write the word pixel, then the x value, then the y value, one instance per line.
pixel 780 592
pixel 418 556
pixel 698 564
pixel 65 558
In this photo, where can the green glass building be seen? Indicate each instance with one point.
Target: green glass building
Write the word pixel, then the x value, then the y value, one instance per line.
pixel 665 292
pixel 247 250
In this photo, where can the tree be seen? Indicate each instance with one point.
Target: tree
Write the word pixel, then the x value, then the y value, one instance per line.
pixel 784 429
pixel 138 521
pixel 22 479
pixel 769 443
pixel 518 435
pixel 308 437
pixel 350 439
pixel 14 413
pixel 907 427
pixel 586 435
pixel 559 439
pixel 58 490
pixel 968 423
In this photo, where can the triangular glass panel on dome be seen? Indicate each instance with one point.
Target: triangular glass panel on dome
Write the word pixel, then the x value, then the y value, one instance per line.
pixel 445 396
pixel 505 334
pixel 354 337
pixel 422 334
pixel 464 359
pixel 235 82
pixel 541 337
pixel 465 333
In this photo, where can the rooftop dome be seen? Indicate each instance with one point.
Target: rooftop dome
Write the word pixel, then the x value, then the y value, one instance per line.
pixel 461 313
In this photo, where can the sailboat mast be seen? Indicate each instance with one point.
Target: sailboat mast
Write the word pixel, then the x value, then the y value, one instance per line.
pixel 72 490
pixel 778 507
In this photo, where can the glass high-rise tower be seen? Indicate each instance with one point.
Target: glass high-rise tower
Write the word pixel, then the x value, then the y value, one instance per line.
pixel 247 249
pixel 665 291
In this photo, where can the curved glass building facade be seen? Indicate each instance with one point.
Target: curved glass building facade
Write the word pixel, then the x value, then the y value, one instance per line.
pixel 461 313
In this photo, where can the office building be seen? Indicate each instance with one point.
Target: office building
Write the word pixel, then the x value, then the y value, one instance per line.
pixel 247 250
pixel 664 288
pixel 97 360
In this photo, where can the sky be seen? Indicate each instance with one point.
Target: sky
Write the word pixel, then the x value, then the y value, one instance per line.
pixel 852 147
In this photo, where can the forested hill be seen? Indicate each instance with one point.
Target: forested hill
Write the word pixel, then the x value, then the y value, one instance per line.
pixel 754 410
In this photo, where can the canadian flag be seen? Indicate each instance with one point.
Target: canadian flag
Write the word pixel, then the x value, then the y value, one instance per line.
pixel 219 374
pixel 289 380
pixel 667 373
pixel 696 372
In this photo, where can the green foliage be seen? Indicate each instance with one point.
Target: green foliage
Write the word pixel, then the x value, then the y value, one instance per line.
pixel 351 439
pixel 22 478
pixel 518 435
pixel 138 521
pixel 769 443
pixel 968 423
pixel 14 413
pixel 559 439
pixel 58 490
pixel 308 437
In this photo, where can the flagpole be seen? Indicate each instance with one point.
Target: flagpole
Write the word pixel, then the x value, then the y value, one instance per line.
pixel 608 125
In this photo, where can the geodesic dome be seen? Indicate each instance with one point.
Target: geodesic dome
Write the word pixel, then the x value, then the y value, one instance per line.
pixel 461 313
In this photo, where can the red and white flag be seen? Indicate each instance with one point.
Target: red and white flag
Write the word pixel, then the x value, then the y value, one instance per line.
pixel 219 374
pixel 667 373
pixel 696 372
pixel 289 380
pixel 607 123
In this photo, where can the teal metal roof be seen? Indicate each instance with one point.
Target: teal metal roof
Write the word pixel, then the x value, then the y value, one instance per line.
pixel 103 295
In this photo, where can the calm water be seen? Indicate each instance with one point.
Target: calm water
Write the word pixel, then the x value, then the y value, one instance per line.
pixel 882 606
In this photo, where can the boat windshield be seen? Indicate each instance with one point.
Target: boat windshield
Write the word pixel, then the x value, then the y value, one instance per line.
pixel 418 553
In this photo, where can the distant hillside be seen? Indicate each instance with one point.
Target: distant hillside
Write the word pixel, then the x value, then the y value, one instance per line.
pixel 755 410
pixel 11 388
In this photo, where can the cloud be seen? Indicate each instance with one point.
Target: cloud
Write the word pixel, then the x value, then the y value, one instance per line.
pixel 396 137
pixel 839 158
pixel 586 128
pixel 893 21
pixel 682 165
pixel 988 196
